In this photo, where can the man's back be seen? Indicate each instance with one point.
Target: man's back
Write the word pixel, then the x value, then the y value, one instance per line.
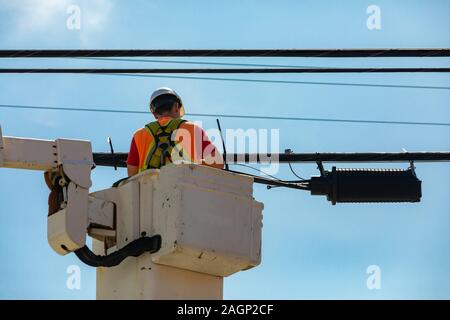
pixel 189 137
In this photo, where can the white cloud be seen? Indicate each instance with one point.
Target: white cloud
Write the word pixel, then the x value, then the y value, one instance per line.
pixel 33 18
pixel 97 14
pixel 94 19
pixel 30 15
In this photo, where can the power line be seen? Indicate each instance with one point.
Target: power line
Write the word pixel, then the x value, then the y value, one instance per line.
pixel 255 80
pixel 311 53
pixel 119 159
pixel 217 115
pixel 223 70
pixel 348 157
pixel 294 173
pixel 5 106
pixel 280 81
pixel 201 63
pixel 272 182
pixel 260 171
pixel 284 81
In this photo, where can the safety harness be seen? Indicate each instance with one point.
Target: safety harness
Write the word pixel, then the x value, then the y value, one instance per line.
pixel 163 146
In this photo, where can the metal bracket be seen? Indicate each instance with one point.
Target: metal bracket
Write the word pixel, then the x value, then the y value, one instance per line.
pixel 75 156
pixel 321 168
pixel 412 167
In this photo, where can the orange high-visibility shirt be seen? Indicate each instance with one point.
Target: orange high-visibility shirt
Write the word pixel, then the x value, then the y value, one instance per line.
pixel 191 138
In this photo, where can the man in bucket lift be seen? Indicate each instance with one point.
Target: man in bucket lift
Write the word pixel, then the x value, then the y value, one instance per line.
pixel 170 138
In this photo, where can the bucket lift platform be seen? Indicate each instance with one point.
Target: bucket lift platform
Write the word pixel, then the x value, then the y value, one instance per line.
pixel 210 228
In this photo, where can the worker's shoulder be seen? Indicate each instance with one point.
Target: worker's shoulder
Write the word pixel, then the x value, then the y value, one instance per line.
pixel 140 132
pixel 190 125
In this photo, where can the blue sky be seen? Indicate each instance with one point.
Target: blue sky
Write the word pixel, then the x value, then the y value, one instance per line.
pixel 310 248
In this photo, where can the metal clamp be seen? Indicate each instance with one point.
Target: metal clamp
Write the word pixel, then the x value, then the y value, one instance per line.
pixel 321 168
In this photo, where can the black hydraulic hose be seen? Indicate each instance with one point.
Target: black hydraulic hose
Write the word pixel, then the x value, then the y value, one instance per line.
pixel 133 249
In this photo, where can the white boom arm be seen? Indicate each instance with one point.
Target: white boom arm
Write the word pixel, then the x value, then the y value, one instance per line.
pixel 67 165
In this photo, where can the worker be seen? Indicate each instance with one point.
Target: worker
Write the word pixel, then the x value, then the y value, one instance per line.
pixel 170 138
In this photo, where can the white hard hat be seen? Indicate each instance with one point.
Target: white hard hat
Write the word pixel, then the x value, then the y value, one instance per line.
pixel 164 90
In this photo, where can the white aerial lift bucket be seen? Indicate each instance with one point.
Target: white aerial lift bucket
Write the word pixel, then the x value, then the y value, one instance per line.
pixel 210 228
